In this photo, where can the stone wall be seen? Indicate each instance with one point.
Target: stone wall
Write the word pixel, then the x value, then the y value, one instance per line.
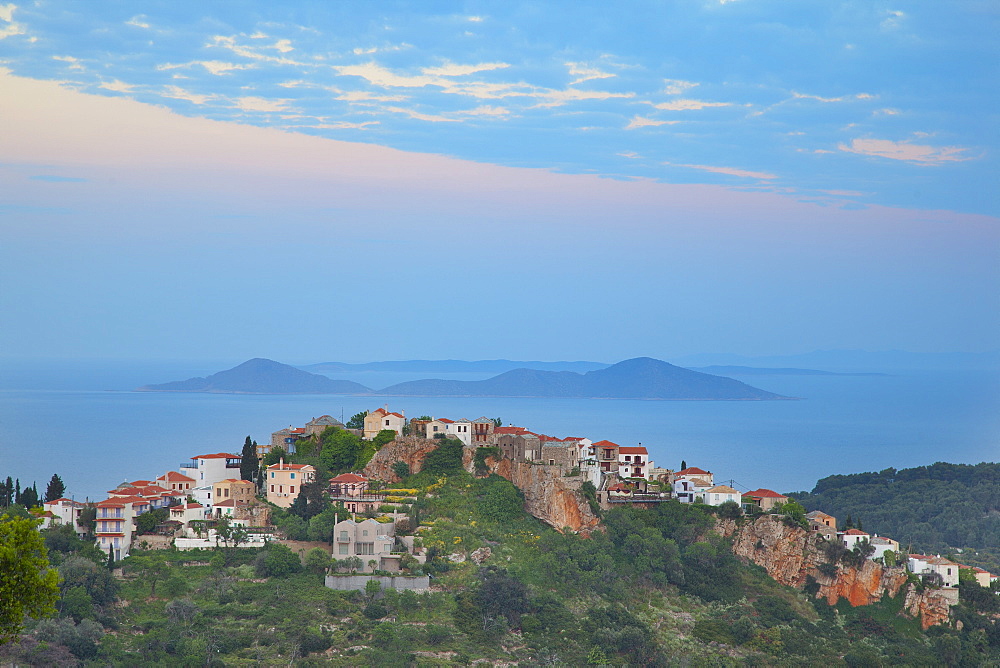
pixel 418 583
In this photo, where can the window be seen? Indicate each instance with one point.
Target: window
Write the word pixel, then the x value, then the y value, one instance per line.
pixel 293 476
pixel 552 462
pixel 628 458
pixel 227 492
pixel 272 489
pixel 364 548
pixel 364 532
pixel 291 489
pixel 272 474
pixel 343 548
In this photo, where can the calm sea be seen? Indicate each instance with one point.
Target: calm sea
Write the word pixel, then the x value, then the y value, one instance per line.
pixel 85 424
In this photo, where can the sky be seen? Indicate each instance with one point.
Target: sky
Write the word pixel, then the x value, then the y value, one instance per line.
pixel 356 181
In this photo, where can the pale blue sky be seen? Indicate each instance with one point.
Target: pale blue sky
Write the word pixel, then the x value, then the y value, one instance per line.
pixel 357 181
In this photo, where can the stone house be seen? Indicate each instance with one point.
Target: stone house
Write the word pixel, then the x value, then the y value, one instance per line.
pixel 242 492
pixel 482 429
pixel 765 499
pixel 557 452
pixel 380 419
pixel 519 446
pixel 606 454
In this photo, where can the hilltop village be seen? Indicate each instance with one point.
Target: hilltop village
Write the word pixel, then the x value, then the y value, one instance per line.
pixel 206 502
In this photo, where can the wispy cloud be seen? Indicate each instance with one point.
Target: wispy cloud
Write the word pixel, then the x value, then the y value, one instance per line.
pixel 731 171
pixel 216 67
pixel 582 72
pixel 7 16
pixel 643 122
pixel 74 63
pixel 117 86
pixel 178 93
pixel 251 103
pixel 7 12
pixel 255 52
pixel 455 70
pixel 487 111
pixel 920 154
pixel 555 98
pixel 138 21
pixel 432 118
pixel 842 98
pixel 676 86
pixel 686 105
pixel 365 96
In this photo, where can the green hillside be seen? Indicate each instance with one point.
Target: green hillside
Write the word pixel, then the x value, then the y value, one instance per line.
pixel 656 588
pixel 953 508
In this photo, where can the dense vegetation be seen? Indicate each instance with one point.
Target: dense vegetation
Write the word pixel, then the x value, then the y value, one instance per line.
pixel 942 508
pixel 658 587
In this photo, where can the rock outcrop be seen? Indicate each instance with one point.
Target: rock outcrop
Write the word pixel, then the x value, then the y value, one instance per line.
pixel 549 495
pixel 930 606
pixel 793 556
pixel 409 449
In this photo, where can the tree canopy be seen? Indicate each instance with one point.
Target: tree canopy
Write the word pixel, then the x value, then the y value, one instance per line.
pixel 28 587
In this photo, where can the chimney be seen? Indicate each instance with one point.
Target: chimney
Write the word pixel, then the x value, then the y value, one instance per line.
pixel 281 464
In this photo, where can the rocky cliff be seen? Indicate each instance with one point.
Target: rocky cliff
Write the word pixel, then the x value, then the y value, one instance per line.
pixel 409 449
pixel 549 495
pixel 793 556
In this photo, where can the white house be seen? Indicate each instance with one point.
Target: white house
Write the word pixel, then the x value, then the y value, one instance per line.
pixel 67 511
pixel 460 429
pixel 883 545
pixel 852 537
pixel 633 462
pixel 924 565
pixel 716 496
pixel 210 469
pixel 691 490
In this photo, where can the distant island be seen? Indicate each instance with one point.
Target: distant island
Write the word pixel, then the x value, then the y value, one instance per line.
pixel 262 376
pixel 733 370
pixel 639 378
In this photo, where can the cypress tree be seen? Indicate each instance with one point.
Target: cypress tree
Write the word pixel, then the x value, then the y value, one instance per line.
pixel 684 465
pixel 248 463
pixel 111 556
pixel 55 489
pixel 17 490
pixel 848 523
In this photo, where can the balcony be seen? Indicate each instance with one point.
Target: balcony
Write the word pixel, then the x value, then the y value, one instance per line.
pixel 189 465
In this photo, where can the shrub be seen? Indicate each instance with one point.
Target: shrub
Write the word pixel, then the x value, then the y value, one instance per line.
pixel 277 560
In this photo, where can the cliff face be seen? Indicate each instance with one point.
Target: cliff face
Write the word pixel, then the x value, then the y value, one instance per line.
pixel 549 495
pixel 790 555
pixel 409 449
pixel 931 606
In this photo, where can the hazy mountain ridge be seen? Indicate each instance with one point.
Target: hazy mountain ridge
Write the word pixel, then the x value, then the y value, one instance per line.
pixel 450 366
pixel 639 378
pixel 262 376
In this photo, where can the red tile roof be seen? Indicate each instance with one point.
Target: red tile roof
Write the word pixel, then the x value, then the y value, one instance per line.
pixel 349 477
pixel 219 455
pixel 59 499
pixel 692 470
pixel 511 430
pixel 234 480
pixel 288 467
pixel 226 503
pixel 174 476
pixel 606 444
pixel 855 532
pixel 445 420
pixel 626 450
pixel 765 494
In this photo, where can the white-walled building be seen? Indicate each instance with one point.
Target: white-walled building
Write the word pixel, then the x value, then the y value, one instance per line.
pixel 633 462
pixel 210 469
pixel 716 496
pixel 66 511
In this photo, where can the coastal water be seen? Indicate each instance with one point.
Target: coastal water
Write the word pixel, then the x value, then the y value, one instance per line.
pixel 85 424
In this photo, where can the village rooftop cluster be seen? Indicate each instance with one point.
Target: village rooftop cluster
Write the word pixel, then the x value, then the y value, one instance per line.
pixel 207 490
